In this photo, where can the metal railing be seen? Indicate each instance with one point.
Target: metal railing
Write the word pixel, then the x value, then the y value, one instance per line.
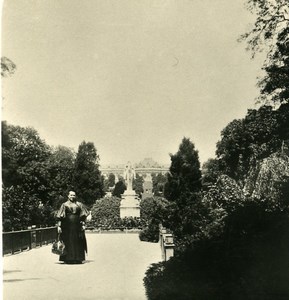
pixel 18 241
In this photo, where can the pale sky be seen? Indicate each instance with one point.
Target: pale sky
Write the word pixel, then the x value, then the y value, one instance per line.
pixel 133 77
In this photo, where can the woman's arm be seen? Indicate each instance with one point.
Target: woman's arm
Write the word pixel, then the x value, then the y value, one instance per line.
pixel 59 227
pixel 59 216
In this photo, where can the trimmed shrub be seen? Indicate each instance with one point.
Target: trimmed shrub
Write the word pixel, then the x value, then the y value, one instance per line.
pixel 150 233
pixel 153 211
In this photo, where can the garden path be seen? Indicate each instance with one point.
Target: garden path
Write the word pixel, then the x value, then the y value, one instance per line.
pixel 114 270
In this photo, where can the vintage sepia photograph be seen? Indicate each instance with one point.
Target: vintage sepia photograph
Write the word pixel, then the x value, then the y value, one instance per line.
pixel 145 149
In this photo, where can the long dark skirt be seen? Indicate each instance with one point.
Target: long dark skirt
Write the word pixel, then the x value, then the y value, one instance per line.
pixel 74 239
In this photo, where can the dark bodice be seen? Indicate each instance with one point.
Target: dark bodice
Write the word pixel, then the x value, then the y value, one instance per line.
pixel 72 208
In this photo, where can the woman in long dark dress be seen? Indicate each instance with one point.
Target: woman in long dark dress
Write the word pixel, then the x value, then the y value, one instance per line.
pixel 71 217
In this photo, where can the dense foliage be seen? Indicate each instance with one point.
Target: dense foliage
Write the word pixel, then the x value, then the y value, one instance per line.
pixel 36 177
pixel 106 215
pixel 262 132
pixel 105 212
pixel 270 34
pixel 275 84
pixel 153 212
pixel 21 208
pixel 241 263
pixel 238 250
pixel 25 177
pixel 211 170
pixel 60 167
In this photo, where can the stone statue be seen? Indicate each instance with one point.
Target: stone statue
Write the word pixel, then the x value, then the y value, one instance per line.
pixel 129 175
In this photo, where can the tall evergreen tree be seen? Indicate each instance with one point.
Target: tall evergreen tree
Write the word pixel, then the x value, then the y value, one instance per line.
pixel 185 174
pixel 87 179
pixel 185 212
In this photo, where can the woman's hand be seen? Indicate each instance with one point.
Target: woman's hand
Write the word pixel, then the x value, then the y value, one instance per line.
pixel 59 229
pixel 82 225
pixel 89 217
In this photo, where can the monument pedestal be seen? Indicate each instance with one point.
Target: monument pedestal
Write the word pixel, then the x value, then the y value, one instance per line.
pixel 129 205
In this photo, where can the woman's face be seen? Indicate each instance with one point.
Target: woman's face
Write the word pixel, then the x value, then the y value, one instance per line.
pixel 71 196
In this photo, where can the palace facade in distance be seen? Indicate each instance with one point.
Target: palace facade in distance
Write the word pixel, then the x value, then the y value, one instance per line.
pixel 146 166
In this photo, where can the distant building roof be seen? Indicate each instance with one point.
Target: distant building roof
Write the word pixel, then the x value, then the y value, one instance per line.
pixel 149 163
pixel 145 166
pixel 145 163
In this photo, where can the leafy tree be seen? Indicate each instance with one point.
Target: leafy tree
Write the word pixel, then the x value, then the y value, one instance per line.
pixel 272 17
pixel 24 156
pixel 283 124
pixel 87 179
pixel 17 208
pixel 222 198
pixel 60 167
pixel 184 174
pixel 25 177
pixel 211 170
pixel 270 32
pixel 262 132
pixel 267 179
pixel 275 84
pixel 228 149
